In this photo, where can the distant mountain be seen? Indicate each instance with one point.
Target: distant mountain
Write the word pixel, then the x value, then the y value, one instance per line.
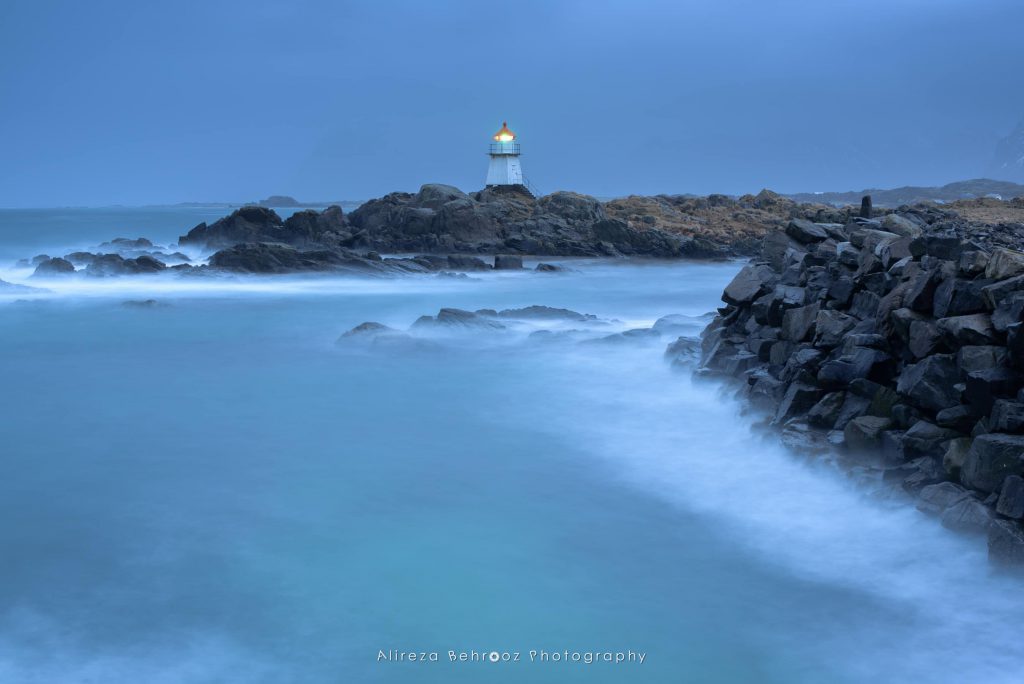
pixel 1008 161
pixel 969 189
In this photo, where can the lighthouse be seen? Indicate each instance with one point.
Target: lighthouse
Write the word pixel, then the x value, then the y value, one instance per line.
pixel 504 168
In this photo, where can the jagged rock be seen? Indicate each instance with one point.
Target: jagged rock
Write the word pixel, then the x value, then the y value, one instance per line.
pixel 503 262
pixel 968 516
pixel 1009 311
pixel 841 291
pixel 805 231
pixel 865 433
pixel 458 318
pixel 1011 498
pixel 539 312
pixel 799 398
pixel 924 338
pixel 992 457
pixel 984 386
pixel 1004 263
pixel 973 262
pixel 1006 544
pixel 955 455
pixel 902 226
pixel 862 362
pixel 996 292
pixel 54 267
pixel 825 413
pixel 973 329
pixel 830 327
pixel 961 418
pixel 1007 416
pixel 923 472
pixel 797 323
pixel 116 265
pixel 463 262
pixel 920 294
pixel 971 358
pixel 936 498
pixel 931 382
pixel 941 245
pixel 750 283
pixel 956 297
pixel 927 439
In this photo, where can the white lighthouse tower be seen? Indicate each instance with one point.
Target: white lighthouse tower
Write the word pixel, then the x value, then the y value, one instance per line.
pixel 504 152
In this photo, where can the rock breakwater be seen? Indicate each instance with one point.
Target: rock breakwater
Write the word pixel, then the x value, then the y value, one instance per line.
pixel 900 343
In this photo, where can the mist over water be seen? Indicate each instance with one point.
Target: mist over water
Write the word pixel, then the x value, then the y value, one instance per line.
pixel 210 489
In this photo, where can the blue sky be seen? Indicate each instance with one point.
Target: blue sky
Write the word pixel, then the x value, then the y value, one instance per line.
pixel 134 103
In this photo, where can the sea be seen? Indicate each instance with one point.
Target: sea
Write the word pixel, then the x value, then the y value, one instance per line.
pixel 202 481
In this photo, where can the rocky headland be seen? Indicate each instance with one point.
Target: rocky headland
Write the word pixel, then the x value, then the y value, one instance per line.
pixel 899 343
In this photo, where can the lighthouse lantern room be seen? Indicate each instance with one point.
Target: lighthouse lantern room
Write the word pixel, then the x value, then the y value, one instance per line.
pixel 504 168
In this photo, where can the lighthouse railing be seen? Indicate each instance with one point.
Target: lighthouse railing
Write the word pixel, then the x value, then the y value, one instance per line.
pixel 504 148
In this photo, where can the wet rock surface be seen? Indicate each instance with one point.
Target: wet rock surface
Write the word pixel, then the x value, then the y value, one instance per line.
pixel 902 341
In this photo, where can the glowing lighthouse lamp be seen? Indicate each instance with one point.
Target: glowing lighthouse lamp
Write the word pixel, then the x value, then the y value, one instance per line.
pixel 504 152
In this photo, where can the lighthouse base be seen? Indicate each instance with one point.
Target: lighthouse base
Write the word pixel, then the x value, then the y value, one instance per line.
pixel 504 169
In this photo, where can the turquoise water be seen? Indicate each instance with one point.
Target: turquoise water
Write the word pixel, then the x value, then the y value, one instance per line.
pixel 212 490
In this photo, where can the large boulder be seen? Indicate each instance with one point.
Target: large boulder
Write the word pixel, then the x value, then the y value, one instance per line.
pixel 991 459
pixel 54 267
pixel 1005 263
pixel 798 323
pixel 805 231
pixel 248 224
pixel 973 329
pixel 931 382
pixel 751 282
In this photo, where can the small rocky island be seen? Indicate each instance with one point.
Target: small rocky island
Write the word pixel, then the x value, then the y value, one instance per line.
pixel 898 341
pixel 450 229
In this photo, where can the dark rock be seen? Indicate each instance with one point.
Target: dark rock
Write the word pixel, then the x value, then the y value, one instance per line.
pixel 54 267
pixel 750 283
pixel 955 455
pixel 992 457
pixel 463 262
pixel 824 413
pixel 923 472
pixel 972 358
pixel 1006 544
pixel 1004 263
pixel 956 297
pixel 927 439
pixel 924 338
pixel 1007 416
pixel 995 293
pixel 457 318
pixel 864 305
pixel 961 418
pixel 920 295
pixel 861 363
pixel 1011 498
pixel 797 400
pixel 936 498
pixel 798 323
pixel 865 207
pixel 968 516
pixel 504 262
pixel 984 386
pixel 806 231
pixel 973 262
pixel 550 268
pixel 865 433
pixel 538 312
pixel 841 291
pixel 973 329
pixel 930 383
pixel 1009 311
pixel 830 327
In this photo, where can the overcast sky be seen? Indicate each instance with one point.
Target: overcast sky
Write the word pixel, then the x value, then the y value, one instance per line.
pixel 139 102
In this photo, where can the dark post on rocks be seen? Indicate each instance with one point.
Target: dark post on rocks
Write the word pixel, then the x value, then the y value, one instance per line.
pixel 865 206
